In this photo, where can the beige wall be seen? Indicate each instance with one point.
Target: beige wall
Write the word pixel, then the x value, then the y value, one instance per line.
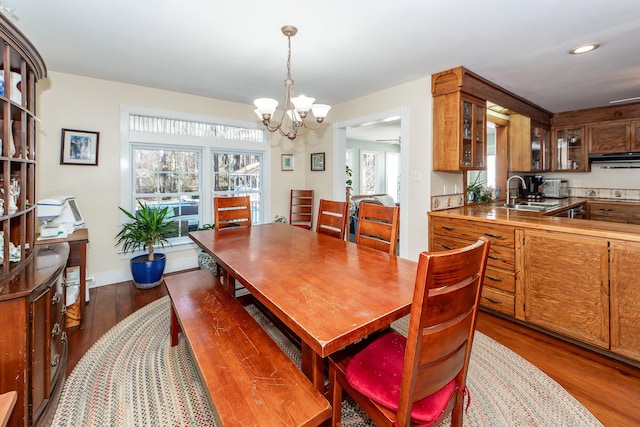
pixel 415 98
pixel 69 101
pixel 75 102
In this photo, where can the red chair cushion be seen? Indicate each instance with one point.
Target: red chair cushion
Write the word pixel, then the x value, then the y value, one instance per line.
pixel 376 372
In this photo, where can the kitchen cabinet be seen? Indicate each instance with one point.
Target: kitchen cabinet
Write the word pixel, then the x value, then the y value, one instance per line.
pixel 613 129
pixel 570 150
pixel 529 145
pixel 625 299
pixel 610 137
pixel 563 284
pixel 499 284
pixel 623 212
pixel 459 132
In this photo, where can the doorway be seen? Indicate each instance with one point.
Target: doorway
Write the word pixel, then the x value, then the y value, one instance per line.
pixel 380 142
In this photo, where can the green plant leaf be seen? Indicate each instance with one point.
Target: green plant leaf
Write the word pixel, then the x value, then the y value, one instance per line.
pixel 149 226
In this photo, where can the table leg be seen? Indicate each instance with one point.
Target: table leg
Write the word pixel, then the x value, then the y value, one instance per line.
pixel 313 367
pixel 175 327
pixel 83 284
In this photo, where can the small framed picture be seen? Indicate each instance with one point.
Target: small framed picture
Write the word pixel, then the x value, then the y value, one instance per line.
pixel 287 162
pixel 79 147
pixel 317 161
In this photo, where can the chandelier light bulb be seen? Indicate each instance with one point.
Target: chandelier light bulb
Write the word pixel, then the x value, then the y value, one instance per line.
pixel 296 108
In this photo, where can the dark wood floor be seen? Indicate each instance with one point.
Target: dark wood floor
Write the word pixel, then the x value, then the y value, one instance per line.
pixel 608 388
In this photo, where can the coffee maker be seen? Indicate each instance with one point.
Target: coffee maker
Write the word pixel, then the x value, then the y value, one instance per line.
pixel 533 190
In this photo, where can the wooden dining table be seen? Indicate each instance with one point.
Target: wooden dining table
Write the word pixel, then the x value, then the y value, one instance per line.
pixel 329 292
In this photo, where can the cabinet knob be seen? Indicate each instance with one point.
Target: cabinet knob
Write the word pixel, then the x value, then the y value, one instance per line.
pixel 63 338
pixel 55 361
pixel 56 298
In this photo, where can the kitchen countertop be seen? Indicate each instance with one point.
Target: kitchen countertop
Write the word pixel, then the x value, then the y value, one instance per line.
pixel 491 213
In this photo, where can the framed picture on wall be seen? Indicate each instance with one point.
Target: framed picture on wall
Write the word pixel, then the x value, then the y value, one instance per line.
pixel 287 162
pixel 317 161
pixel 79 147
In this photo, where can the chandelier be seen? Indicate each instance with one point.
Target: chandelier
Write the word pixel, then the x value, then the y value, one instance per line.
pixel 296 109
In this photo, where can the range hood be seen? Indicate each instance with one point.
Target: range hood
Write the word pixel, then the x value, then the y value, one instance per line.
pixel 615 157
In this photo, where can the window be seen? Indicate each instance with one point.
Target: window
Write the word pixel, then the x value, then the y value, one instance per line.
pixel 239 174
pixel 166 177
pixel 371 172
pixel 393 175
pixel 182 162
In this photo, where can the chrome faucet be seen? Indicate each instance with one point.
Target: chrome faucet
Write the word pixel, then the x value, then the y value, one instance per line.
pixel 524 184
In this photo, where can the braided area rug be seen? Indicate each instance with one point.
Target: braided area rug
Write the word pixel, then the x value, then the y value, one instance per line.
pixel 133 377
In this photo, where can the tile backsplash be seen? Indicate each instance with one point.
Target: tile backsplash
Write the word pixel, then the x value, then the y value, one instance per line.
pixel 605 193
pixel 449 201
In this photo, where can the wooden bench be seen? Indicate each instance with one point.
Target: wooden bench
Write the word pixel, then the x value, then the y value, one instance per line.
pixel 249 379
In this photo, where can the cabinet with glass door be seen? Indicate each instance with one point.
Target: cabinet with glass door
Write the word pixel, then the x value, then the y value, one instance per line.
pixel 570 150
pixel 529 145
pixel 473 133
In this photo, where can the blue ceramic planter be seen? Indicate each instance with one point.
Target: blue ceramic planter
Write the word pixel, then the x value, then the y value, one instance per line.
pixel 147 274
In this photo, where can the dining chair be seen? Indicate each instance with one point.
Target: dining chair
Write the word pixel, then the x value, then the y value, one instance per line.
pixel 301 208
pixel 378 227
pixel 421 378
pixel 332 218
pixel 231 212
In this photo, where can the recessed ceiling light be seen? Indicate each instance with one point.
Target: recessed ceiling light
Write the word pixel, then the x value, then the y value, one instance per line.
pixel 584 48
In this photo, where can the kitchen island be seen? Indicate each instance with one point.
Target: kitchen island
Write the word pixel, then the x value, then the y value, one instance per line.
pixel 573 278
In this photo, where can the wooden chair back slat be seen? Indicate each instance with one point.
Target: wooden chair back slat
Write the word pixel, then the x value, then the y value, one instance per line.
pixel 232 212
pixel 332 218
pixel 378 227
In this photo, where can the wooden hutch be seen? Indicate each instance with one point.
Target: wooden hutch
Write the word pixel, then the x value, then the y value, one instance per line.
pixel 32 299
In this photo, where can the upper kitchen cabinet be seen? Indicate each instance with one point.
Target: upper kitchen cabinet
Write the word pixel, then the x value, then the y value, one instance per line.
pixel 529 145
pixel 570 150
pixel 460 116
pixel 607 130
pixel 614 137
pixel 459 132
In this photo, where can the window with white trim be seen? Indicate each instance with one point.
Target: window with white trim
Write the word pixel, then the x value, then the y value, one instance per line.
pixel 183 163
pixel 239 174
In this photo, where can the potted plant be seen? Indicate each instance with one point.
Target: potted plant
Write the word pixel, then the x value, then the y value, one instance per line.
pixel 149 226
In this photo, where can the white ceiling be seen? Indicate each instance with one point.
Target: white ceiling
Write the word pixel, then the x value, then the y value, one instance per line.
pixel 234 49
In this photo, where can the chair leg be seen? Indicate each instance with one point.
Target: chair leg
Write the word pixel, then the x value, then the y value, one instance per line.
pixel 335 396
pixel 458 410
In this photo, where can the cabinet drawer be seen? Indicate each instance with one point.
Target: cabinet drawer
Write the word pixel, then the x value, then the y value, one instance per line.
pixel 499 256
pixel 500 279
pixel 609 218
pixel 498 300
pixel 501 235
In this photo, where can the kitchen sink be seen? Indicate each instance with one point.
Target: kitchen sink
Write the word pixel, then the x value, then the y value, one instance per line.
pixel 530 206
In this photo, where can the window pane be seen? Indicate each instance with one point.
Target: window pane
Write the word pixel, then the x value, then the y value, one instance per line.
pixel 239 174
pixel 368 173
pixel 170 178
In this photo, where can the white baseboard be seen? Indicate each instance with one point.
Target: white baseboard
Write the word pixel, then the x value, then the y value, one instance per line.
pixel 111 277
